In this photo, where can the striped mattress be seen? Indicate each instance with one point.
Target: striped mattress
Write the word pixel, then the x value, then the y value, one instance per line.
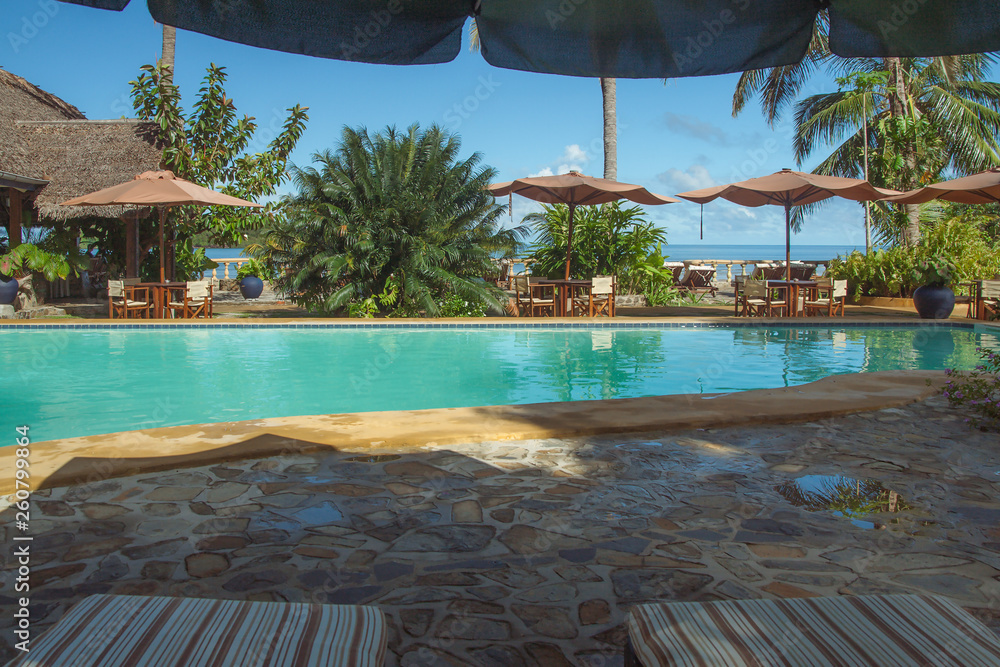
pixel 133 631
pixel 879 630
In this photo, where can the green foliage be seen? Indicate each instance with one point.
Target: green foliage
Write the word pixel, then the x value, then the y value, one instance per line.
pixel 254 267
pixel 934 271
pixel 209 146
pixel 393 205
pixel 607 240
pixel 951 251
pixel 977 390
pixel 28 258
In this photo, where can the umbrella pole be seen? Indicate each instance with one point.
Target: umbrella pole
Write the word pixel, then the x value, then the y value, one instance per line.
pixel 788 241
pixel 569 239
pixel 163 213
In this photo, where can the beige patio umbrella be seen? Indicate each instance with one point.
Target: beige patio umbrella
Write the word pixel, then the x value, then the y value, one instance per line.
pixel 160 189
pixel 981 188
pixel 574 189
pixel 789 188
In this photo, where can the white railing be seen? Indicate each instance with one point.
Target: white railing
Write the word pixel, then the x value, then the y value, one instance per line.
pixel 224 268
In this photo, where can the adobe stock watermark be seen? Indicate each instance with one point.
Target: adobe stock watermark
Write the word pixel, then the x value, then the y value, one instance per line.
pixel 696 46
pixel 365 33
pixel 30 25
pixel 900 15
pixel 463 110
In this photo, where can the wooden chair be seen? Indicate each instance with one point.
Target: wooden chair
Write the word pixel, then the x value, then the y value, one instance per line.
pixel 124 300
pixel 739 285
pixel 533 299
pixel 988 299
pixel 196 301
pixel 543 299
pixel 599 300
pixel 828 295
pixel 759 300
pixel 698 280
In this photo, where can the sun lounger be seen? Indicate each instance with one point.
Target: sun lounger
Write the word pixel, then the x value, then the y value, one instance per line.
pixel 898 630
pixel 120 630
pixel 698 280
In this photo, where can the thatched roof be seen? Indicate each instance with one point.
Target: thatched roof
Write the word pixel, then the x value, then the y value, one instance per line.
pixel 20 100
pixel 81 156
pixel 41 136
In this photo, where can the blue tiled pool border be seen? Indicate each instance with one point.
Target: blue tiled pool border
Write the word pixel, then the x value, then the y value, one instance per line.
pixel 753 324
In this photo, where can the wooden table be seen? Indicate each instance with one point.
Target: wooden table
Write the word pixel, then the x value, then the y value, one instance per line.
pixel 567 290
pixel 792 295
pixel 161 295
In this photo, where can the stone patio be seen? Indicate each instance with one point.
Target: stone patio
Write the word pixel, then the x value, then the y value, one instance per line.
pixel 531 553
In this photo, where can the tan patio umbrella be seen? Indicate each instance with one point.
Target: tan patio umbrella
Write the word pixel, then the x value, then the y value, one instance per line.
pixel 160 189
pixel 789 188
pixel 574 189
pixel 981 188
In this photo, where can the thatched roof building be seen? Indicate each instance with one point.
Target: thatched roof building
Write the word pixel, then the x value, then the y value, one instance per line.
pixel 43 138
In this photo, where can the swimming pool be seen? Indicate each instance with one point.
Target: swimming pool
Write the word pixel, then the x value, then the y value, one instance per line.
pixel 74 381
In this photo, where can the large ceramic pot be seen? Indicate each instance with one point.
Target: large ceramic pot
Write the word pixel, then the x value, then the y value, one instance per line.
pixel 251 287
pixel 934 302
pixel 8 290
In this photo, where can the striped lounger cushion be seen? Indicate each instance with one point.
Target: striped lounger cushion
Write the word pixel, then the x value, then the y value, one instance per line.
pixel 134 631
pixel 879 630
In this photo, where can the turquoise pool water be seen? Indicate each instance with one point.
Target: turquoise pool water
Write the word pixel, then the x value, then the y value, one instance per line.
pixel 65 383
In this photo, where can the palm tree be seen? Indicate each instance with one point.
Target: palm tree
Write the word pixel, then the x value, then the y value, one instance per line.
pixel 169 42
pixel 918 116
pixel 395 215
pixel 609 101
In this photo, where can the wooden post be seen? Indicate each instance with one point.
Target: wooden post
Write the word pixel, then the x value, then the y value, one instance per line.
pixel 131 244
pixel 16 215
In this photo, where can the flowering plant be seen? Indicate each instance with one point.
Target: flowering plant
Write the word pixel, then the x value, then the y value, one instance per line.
pixel 978 390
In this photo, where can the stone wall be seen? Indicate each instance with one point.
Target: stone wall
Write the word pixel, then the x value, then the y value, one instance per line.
pixel 630 301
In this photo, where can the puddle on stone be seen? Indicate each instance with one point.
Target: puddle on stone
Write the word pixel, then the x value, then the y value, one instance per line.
pixel 844 496
pixel 377 458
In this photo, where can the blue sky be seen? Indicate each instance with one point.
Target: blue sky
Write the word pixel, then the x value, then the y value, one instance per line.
pixel 672 136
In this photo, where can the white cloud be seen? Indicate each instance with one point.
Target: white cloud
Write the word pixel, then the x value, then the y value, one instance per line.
pixel 695 178
pixel 573 159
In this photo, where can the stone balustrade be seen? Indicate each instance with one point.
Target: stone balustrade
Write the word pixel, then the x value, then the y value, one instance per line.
pixel 224 264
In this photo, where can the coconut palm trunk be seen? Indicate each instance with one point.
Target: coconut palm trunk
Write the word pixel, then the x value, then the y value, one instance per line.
pixel 169 42
pixel 609 94
pixel 897 109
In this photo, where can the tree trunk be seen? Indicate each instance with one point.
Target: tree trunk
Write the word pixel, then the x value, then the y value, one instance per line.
pixel 897 108
pixel 608 92
pixel 169 40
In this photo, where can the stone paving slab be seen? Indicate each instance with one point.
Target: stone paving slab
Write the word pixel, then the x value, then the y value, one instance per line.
pixel 532 552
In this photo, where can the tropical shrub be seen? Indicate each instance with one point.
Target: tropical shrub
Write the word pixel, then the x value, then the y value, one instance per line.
pixel 392 206
pixel 607 240
pixel 254 267
pixel 960 250
pixel 27 258
pixel 978 391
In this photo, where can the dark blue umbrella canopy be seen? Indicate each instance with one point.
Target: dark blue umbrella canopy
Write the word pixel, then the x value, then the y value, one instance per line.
pixel 607 38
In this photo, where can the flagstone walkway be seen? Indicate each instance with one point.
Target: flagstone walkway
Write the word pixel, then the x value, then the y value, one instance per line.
pixel 531 553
